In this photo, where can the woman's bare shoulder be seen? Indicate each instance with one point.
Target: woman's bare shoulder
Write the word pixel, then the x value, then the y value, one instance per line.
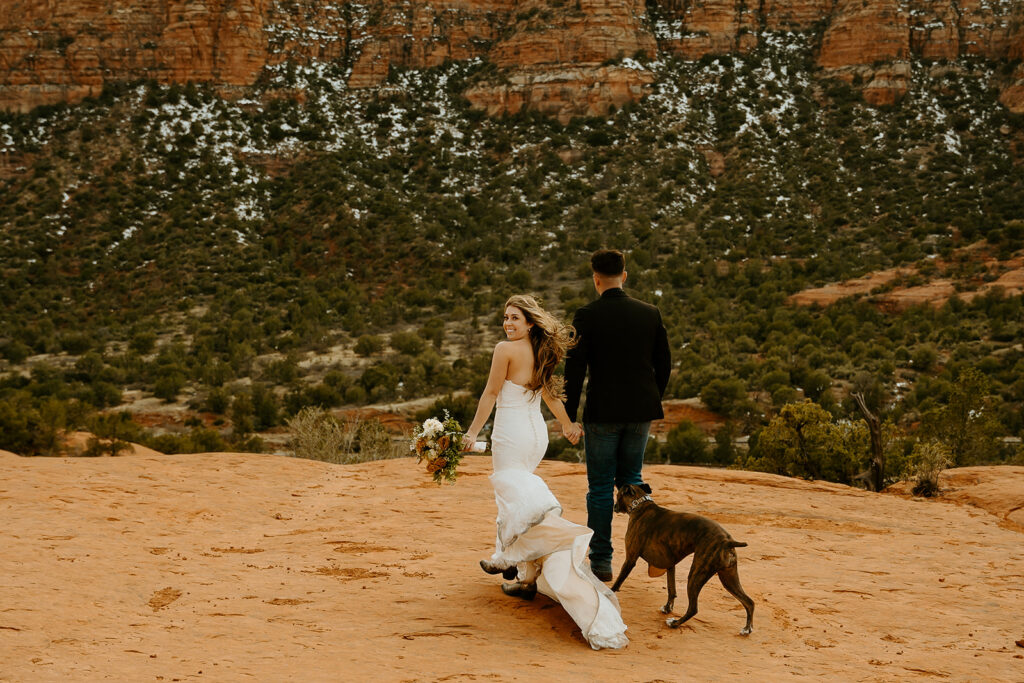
pixel 512 345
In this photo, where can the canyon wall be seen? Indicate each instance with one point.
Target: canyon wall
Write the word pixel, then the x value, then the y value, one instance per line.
pixel 563 57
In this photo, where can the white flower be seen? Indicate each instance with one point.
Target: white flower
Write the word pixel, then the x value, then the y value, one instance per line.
pixel 432 427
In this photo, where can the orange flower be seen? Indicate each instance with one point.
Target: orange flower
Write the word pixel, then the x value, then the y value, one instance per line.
pixel 444 442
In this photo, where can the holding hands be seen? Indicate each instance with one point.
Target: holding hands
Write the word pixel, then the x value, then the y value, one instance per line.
pixel 572 431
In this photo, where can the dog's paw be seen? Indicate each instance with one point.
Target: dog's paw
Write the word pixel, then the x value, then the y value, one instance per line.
pixel 667 609
pixel 672 623
pixel 745 631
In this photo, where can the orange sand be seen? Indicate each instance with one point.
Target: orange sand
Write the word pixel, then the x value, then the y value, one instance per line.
pixel 232 566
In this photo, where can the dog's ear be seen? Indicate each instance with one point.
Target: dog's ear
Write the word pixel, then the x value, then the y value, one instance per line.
pixel 646 488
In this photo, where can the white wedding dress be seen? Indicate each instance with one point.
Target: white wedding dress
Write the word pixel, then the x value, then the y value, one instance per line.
pixel 532 535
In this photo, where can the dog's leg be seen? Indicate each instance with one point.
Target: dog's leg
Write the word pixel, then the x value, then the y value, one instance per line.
pixel 627 567
pixel 671 581
pixel 699 575
pixel 730 578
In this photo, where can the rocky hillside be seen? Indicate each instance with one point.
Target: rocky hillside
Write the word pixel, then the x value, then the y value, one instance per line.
pixel 562 57
pixel 299 227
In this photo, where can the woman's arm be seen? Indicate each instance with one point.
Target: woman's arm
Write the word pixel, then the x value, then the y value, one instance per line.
pixel 496 377
pixel 570 430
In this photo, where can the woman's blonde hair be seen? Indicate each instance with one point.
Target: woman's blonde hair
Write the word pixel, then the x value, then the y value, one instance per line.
pixel 550 340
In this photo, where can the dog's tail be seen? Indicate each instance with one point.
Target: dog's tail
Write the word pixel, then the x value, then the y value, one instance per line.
pixel 737 544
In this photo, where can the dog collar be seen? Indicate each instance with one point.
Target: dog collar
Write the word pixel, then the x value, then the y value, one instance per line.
pixel 635 503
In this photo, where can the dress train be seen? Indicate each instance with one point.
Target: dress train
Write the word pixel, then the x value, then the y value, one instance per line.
pixel 531 533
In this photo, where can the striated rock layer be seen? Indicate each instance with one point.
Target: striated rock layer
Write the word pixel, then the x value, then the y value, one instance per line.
pixel 563 57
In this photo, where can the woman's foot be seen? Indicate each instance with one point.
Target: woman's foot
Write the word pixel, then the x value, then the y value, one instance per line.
pixel 526 591
pixel 510 573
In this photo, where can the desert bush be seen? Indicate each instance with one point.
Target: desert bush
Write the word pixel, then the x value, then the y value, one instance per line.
pixel 217 400
pixel 142 342
pixel 31 426
pixel 318 435
pixel 374 442
pixel 198 440
pixel 15 352
pixel 967 424
pixel 111 434
pixel 559 448
pixel 927 461
pixel 96 447
pixel 687 443
pixel 724 396
pixel 169 386
pixel 368 344
pixel 265 408
pixel 802 441
pixel 462 408
pixel 724 452
pixel 408 343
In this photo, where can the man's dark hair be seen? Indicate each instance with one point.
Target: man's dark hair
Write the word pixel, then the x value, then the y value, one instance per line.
pixel 608 262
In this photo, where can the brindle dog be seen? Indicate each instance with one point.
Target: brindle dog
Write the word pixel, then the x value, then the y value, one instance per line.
pixel 663 538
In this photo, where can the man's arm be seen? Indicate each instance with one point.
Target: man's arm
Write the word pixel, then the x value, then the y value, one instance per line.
pixel 575 368
pixel 662 357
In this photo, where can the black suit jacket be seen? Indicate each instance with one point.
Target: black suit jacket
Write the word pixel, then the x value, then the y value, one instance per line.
pixel 624 347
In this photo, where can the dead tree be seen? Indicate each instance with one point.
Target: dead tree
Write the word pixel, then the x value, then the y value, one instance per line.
pixel 876 471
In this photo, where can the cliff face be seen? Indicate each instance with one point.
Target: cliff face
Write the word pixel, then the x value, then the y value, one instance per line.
pixel 51 50
pixel 875 38
pixel 561 56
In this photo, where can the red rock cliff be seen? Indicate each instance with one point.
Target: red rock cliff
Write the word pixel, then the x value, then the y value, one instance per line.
pixel 559 56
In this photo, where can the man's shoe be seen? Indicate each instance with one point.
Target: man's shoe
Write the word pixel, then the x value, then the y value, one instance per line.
pixel 525 591
pixel 602 574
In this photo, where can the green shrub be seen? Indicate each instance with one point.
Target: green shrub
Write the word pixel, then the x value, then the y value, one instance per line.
pixel 724 396
pixel 142 342
pixel 409 343
pixel 198 440
pixel 169 386
pixel 462 408
pixel 316 434
pixel 802 441
pixel 927 461
pixel 15 352
pixel 368 345
pixel 685 443
pixel 30 426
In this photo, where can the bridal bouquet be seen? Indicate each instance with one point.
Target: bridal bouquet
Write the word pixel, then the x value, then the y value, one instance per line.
pixel 439 442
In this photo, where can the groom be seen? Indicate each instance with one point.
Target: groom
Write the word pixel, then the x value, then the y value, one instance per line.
pixel 623 346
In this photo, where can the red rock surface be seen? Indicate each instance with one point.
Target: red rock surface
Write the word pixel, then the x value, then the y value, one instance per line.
pixel 228 566
pixel 1008 275
pixel 677 411
pixel 554 55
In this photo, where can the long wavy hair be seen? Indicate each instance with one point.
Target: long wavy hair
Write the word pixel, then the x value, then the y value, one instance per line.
pixel 550 340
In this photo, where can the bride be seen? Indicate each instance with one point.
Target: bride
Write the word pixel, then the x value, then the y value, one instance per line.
pixel 535 545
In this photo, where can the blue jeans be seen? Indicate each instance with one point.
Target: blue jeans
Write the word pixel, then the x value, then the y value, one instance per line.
pixel 615 457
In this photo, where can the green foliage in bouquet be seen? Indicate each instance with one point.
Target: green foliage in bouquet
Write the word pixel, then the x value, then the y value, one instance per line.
pixel 439 442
